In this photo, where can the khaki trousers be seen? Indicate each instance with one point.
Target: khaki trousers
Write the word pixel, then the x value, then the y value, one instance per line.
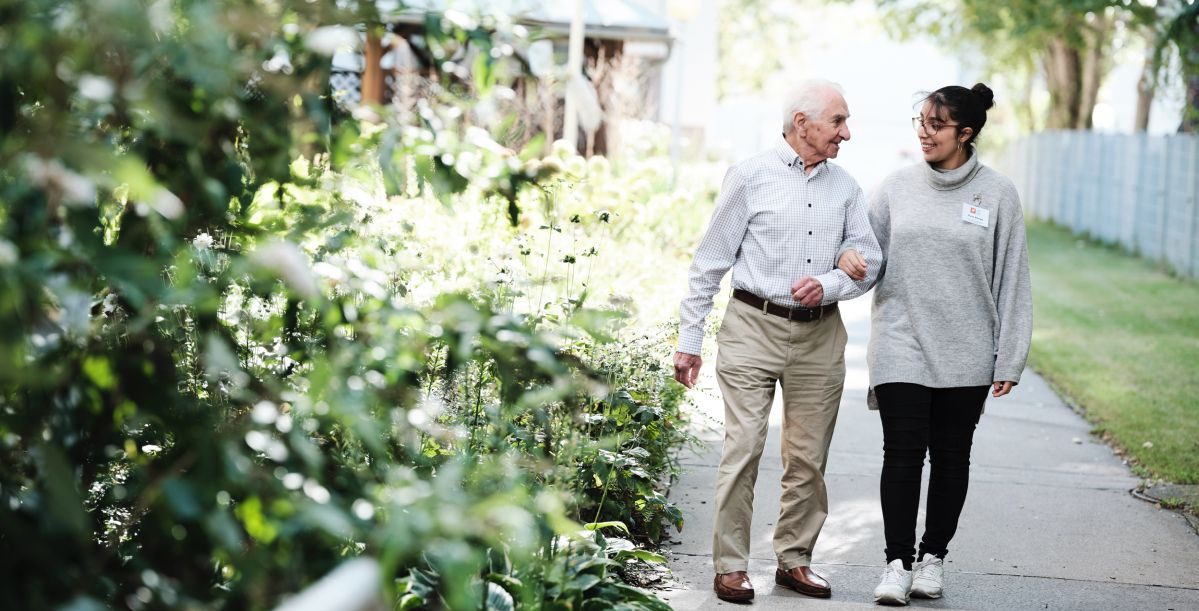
pixel 758 351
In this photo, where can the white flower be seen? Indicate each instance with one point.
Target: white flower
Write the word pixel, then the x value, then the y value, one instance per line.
pixel 479 137
pixel 259 309
pixel 330 272
pixel 328 40
pixel 316 492
pixel 541 58
pixel 264 412
pixel 8 253
pixel 285 260
pixel 202 241
pixel 159 14
pixel 552 165
pixel 562 148
pixel 293 481
pixel 167 204
pixel 363 509
pixel 355 193
pixel 280 62
pixel 74 314
pixel 96 88
pixel 109 304
pixel 461 19
pixel 51 175
pixel 300 167
pixel 485 111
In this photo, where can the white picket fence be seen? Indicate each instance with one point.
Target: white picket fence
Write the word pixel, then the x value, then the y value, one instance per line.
pixel 1135 190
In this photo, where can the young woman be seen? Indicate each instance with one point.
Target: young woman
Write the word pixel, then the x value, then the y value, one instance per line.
pixel 952 319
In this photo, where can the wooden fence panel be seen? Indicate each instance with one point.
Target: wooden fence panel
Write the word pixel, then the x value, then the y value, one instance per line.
pixel 1138 191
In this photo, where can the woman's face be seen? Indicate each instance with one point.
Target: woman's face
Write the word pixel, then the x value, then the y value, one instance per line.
pixel 939 148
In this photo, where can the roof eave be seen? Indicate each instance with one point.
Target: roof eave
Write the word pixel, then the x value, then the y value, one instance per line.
pixel 590 31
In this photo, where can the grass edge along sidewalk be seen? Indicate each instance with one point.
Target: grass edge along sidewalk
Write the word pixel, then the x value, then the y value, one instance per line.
pixel 1119 337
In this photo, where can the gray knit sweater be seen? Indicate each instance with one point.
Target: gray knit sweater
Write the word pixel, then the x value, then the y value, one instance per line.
pixel 953 302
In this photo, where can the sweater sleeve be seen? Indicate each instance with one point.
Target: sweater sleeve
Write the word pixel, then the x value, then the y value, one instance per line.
pixel 717 252
pixel 880 223
pixel 1011 287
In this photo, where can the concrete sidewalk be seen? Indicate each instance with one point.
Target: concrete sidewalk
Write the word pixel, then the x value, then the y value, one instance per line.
pixel 1049 522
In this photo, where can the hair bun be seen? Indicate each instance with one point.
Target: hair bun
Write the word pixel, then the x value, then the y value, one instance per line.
pixel 985 94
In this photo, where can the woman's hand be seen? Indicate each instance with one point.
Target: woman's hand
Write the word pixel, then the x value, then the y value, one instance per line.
pixel 853 264
pixel 1000 389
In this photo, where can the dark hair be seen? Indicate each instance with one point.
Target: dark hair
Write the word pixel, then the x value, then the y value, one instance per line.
pixel 968 107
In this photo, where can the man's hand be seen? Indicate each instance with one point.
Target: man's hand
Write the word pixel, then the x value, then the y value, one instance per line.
pixel 853 264
pixel 808 292
pixel 1000 389
pixel 686 368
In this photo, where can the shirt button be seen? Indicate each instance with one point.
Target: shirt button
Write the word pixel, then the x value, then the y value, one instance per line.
pixel 809 205
pixel 809 233
pixel 809 260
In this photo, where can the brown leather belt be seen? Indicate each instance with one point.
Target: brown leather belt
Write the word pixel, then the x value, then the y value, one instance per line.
pixel 794 314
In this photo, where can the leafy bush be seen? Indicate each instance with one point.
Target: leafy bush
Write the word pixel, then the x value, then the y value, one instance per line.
pixel 236 346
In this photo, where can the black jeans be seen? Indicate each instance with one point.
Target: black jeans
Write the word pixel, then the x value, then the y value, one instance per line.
pixel 915 419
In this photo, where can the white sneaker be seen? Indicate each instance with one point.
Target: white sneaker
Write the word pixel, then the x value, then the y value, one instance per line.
pixel 928 577
pixel 894 587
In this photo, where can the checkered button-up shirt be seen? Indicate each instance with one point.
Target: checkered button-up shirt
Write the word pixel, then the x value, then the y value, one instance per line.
pixel 774 224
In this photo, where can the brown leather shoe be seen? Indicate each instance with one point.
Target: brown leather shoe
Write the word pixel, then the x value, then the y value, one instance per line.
pixel 803 580
pixel 733 587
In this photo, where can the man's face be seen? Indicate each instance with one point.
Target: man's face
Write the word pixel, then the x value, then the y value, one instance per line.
pixel 826 132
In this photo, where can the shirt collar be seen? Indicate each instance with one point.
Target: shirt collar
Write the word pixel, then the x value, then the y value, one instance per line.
pixel 789 156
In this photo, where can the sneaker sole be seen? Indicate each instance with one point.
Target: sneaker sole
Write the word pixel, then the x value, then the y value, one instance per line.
pixel 887 599
pixel 925 594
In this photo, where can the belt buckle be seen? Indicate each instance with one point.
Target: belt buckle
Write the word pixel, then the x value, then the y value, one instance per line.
pixel 819 313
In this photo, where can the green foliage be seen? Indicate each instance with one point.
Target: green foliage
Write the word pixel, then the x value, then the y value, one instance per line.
pixel 1177 33
pixel 1173 502
pixel 754 33
pixel 1067 47
pixel 579 576
pixel 236 346
pixel 1029 21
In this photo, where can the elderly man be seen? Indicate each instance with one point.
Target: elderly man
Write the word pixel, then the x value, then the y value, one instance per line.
pixel 780 221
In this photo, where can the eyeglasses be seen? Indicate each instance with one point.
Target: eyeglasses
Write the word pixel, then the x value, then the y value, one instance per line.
pixel 931 128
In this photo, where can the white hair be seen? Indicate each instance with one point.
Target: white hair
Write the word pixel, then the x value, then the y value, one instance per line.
pixel 809 97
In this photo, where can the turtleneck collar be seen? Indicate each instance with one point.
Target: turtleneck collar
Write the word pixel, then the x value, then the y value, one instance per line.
pixel 948 180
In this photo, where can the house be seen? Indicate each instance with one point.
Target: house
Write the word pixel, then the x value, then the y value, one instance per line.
pixel 625 45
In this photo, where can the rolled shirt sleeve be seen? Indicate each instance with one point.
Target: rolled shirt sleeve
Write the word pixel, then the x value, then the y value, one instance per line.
pixel 859 236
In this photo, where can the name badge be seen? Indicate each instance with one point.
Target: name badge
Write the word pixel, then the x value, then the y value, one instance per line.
pixel 972 213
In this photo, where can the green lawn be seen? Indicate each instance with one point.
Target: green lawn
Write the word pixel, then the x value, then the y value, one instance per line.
pixel 1120 337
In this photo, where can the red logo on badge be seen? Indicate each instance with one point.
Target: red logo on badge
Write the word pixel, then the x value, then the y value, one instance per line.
pixel 974 211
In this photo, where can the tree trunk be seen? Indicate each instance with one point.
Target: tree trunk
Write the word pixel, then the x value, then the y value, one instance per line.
pixel 1061 62
pixel 1024 107
pixel 1145 93
pixel 1187 47
pixel 372 73
pixel 1094 60
pixel 1190 113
